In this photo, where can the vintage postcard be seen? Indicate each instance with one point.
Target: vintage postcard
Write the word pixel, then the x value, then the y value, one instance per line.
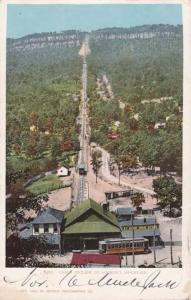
pixel 95 120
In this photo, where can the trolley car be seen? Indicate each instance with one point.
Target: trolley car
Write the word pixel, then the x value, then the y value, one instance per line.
pixel 124 246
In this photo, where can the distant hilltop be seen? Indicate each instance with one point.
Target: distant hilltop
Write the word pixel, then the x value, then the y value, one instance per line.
pixel 74 38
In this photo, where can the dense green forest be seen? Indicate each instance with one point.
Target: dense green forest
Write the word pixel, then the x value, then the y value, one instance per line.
pixel 43 93
pixel 146 78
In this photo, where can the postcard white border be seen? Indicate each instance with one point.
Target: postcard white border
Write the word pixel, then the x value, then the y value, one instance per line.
pixel 184 274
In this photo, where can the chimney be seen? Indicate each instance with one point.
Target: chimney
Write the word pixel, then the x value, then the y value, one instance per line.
pixel 105 207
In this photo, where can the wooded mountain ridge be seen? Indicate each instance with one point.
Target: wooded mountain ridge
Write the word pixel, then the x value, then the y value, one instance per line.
pixel 73 38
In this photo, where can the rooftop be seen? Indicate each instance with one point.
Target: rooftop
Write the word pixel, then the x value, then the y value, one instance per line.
pixel 90 227
pixel 139 221
pixel 51 215
pixel 125 210
pixel 76 212
pixel 140 233
pixel 123 239
pixel 103 259
pixel 90 217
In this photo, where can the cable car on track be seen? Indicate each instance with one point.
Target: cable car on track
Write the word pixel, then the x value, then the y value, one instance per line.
pixel 82 169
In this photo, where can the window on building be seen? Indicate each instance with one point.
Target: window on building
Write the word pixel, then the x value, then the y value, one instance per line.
pixel 46 228
pixel 55 228
pixel 36 228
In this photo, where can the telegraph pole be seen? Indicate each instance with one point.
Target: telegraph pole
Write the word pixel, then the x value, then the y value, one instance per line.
pixel 171 256
pixel 154 242
pixel 133 247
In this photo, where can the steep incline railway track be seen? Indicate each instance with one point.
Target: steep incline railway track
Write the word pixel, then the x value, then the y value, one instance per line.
pixel 82 167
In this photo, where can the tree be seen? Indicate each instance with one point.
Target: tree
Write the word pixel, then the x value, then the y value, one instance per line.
pixel 20 252
pixel 124 161
pixel 137 199
pixel 17 148
pixel 16 208
pixel 168 193
pixel 150 151
pixel 31 148
pixel 133 124
pixel 96 162
pixel 41 145
pixel 171 149
pixel 56 148
pixel 49 124
pixel 33 118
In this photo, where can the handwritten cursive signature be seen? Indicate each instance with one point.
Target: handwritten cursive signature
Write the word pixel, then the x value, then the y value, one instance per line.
pixel 31 280
pixel 151 281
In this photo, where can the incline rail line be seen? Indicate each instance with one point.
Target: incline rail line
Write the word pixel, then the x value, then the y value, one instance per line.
pixel 83 187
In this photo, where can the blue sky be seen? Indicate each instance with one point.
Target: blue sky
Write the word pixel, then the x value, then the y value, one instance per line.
pixel 32 18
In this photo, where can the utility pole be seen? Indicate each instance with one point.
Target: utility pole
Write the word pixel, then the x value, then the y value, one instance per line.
pixel 154 242
pixel 126 253
pixel 133 247
pixel 88 190
pixel 171 256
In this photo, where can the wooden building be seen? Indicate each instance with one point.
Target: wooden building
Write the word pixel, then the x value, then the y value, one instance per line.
pixel 47 226
pixel 125 213
pixel 85 225
pixel 146 227
pixel 63 171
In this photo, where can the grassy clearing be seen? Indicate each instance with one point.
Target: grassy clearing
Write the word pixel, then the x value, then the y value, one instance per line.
pixel 45 185
pixel 68 158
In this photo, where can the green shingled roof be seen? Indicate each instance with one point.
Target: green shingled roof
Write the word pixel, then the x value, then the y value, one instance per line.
pixel 78 211
pixel 107 222
pixel 91 227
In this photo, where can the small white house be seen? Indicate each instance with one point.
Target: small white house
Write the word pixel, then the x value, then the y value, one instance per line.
pixel 160 125
pixel 62 171
pixel 117 123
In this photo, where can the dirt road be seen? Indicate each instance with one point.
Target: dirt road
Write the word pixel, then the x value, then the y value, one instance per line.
pixel 125 182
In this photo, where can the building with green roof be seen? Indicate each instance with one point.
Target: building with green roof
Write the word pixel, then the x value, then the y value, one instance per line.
pixel 85 225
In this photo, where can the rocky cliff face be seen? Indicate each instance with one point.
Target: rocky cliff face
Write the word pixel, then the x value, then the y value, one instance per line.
pixel 139 32
pixel 46 40
pixel 74 38
pixel 136 35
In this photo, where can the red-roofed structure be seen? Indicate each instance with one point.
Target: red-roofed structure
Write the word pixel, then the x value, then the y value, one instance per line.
pixel 95 259
pixel 113 135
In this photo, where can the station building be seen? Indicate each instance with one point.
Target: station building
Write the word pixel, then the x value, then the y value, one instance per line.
pixel 146 227
pixel 85 225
